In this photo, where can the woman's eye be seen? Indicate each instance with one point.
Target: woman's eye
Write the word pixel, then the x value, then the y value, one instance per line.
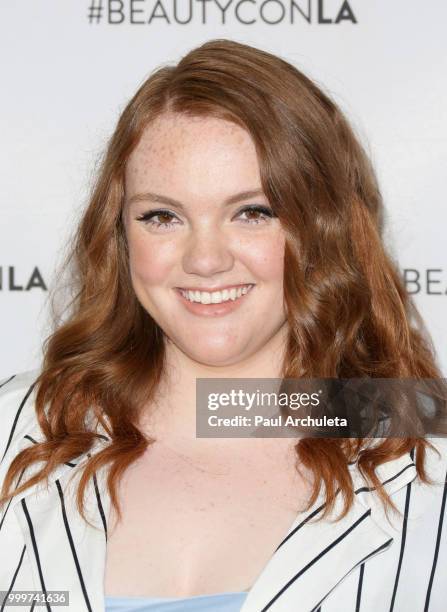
pixel 164 218
pixel 256 214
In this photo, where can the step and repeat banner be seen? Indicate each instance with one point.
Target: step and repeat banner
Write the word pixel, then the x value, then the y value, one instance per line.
pixel 69 68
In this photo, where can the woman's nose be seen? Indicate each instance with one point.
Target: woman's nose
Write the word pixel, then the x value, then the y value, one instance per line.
pixel 207 252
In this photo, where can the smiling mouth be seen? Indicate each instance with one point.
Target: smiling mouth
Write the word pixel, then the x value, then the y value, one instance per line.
pixel 216 297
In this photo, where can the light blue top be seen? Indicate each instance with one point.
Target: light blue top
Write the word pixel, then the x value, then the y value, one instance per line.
pixel 219 602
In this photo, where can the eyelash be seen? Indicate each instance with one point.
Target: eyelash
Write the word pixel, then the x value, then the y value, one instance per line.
pixel 148 217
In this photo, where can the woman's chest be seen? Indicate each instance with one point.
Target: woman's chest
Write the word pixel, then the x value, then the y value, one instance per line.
pixel 191 529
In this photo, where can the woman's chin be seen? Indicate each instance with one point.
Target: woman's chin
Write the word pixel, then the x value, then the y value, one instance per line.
pixel 215 356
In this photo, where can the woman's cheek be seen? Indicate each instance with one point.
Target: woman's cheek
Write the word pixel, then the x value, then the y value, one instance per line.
pixel 151 260
pixel 266 256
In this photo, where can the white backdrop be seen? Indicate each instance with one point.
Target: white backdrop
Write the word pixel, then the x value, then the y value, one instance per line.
pixel 69 68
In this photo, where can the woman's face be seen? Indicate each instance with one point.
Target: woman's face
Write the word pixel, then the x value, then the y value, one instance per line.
pixel 193 240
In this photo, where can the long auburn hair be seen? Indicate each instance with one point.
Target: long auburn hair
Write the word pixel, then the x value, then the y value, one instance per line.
pixel 348 312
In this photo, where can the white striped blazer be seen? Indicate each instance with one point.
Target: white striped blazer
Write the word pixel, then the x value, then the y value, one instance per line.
pixel 362 563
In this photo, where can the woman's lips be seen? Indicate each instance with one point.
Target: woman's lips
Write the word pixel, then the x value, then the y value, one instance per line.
pixel 212 310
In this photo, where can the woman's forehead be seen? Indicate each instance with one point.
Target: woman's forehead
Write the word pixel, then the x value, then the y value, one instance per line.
pixel 172 133
pixel 190 148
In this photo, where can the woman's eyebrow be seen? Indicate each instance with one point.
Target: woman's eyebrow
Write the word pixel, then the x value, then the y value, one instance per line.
pixel 162 199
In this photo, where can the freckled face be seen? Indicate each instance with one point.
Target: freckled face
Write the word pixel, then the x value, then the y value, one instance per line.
pixel 194 238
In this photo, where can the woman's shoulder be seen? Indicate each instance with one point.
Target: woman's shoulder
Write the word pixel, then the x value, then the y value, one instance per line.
pixel 17 414
pixel 436 459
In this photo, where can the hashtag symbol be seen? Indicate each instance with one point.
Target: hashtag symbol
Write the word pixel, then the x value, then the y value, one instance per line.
pixel 95 11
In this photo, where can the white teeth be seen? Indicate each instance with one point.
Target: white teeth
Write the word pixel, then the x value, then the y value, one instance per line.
pixel 216 297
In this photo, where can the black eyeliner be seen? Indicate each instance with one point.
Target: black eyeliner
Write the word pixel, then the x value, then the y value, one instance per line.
pixel 258 208
pixel 147 216
pixel 153 213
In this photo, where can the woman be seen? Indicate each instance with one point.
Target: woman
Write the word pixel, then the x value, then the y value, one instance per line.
pixel 234 231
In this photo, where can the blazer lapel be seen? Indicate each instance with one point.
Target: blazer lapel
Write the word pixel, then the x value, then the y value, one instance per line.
pixel 65 553
pixel 315 557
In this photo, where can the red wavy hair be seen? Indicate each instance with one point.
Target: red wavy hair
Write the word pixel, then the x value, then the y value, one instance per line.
pixel 348 312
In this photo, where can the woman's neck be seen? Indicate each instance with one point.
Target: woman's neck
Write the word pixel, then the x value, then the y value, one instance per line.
pixel 173 413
